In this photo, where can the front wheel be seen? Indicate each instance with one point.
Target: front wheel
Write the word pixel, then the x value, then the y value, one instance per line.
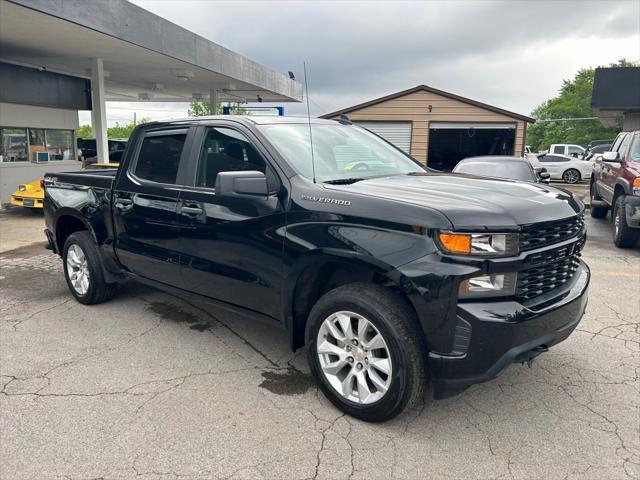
pixel 624 236
pixel 571 176
pixel 365 351
pixel 83 272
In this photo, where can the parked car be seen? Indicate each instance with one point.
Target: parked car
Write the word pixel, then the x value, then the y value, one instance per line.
pixel 590 152
pixel 567 149
pixel 565 168
pixel 87 149
pixel 386 271
pixel 512 168
pixel 615 184
pixel 31 195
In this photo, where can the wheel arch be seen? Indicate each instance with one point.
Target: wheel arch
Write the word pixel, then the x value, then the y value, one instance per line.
pixel 69 221
pixel 622 187
pixel 320 272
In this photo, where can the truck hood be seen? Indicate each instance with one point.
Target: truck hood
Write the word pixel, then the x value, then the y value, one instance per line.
pixel 471 202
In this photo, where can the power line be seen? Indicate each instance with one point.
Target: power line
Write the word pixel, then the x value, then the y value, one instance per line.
pixel 565 119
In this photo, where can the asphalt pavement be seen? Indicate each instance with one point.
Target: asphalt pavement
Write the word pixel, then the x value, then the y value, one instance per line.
pixel 151 387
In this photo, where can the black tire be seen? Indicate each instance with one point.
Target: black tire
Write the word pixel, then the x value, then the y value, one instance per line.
pixel 98 290
pixel 396 321
pixel 571 176
pixel 623 235
pixel 597 212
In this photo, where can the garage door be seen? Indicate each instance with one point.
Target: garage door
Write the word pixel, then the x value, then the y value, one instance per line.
pixel 450 142
pixel 398 133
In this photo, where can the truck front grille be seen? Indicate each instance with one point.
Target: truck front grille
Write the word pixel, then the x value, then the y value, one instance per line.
pixel 542 279
pixel 550 269
pixel 541 235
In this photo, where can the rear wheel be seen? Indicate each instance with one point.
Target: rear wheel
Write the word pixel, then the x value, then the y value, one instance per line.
pixel 597 212
pixel 83 272
pixel 571 176
pixel 365 351
pixel 623 235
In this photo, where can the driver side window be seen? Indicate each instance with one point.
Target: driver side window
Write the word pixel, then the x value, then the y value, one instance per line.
pixel 622 149
pixel 226 150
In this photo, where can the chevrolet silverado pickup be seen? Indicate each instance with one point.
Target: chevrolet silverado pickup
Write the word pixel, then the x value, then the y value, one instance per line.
pixel 391 275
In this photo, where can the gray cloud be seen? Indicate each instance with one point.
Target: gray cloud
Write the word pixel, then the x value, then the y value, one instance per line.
pixel 513 54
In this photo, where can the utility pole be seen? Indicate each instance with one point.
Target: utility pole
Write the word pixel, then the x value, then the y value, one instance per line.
pixel 135 122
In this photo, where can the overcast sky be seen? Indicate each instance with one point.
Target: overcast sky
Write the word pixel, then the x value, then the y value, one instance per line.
pixel 510 54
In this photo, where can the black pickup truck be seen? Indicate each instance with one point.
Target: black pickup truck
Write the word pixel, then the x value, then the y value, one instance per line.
pixel 390 274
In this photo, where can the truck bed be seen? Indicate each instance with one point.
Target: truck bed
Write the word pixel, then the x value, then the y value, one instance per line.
pixel 102 179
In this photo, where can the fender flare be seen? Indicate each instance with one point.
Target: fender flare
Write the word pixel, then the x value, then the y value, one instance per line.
pixel 71 212
pixel 624 183
pixel 319 257
pixel 112 271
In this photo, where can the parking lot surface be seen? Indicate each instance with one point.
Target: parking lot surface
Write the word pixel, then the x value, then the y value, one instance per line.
pixel 149 386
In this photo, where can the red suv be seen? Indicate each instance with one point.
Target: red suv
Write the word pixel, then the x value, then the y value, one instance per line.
pixel 615 183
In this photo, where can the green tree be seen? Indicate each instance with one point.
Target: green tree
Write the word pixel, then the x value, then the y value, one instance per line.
pixel 202 109
pixel 118 131
pixel 124 130
pixel 573 101
pixel 85 131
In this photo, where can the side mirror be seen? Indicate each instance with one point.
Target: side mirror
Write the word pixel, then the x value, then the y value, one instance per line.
pixel 545 177
pixel 610 157
pixel 242 184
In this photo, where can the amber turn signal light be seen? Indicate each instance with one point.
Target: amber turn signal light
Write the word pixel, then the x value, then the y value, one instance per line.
pixel 455 242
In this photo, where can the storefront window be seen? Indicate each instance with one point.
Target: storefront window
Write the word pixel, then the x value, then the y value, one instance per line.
pixel 13 145
pixel 36 145
pixel 60 144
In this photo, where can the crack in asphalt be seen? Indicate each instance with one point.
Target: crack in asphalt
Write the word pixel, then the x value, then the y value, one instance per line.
pixel 564 374
pixel 219 322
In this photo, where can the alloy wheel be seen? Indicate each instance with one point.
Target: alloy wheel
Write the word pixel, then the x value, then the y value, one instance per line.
pixel 571 176
pixel 354 357
pixel 78 269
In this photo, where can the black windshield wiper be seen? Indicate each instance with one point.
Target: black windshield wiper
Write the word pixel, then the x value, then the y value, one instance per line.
pixel 343 181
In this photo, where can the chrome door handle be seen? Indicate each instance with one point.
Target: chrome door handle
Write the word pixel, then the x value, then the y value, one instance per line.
pixel 191 210
pixel 123 202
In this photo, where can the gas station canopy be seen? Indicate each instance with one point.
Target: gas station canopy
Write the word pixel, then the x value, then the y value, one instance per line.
pixel 143 56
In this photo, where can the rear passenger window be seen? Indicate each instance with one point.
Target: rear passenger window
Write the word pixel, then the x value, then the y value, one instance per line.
pixel 558 150
pixel 226 150
pixel 159 157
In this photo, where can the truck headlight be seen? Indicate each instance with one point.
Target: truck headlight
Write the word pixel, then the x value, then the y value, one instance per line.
pixel 485 286
pixel 481 244
pixel 636 187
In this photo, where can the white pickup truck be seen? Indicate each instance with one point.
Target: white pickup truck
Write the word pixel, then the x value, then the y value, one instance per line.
pixel 567 149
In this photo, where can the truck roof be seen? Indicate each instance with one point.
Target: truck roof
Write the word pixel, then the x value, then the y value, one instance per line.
pixel 247 119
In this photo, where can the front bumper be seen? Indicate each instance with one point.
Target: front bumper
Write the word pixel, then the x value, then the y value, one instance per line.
pixel 23 201
pixel 492 335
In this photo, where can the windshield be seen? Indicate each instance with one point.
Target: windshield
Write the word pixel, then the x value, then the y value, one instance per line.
pixel 510 170
pixel 339 152
pixel 634 153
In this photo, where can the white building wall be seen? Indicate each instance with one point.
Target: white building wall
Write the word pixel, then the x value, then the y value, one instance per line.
pixel 14 115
